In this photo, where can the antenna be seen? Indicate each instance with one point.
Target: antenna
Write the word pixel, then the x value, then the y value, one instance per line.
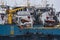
pixel 52 5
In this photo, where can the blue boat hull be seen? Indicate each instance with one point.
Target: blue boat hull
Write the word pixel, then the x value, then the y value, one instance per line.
pixel 28 34
pixel 5 30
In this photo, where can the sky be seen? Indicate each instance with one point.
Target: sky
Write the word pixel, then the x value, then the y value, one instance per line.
pixel 32 2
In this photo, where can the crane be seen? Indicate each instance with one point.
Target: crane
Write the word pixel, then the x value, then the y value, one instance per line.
pixel 10 14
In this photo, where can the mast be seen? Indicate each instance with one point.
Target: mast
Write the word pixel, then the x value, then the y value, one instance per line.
pixel 2 2
pixel 15 3
pixel 44 3
pixel 28 4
